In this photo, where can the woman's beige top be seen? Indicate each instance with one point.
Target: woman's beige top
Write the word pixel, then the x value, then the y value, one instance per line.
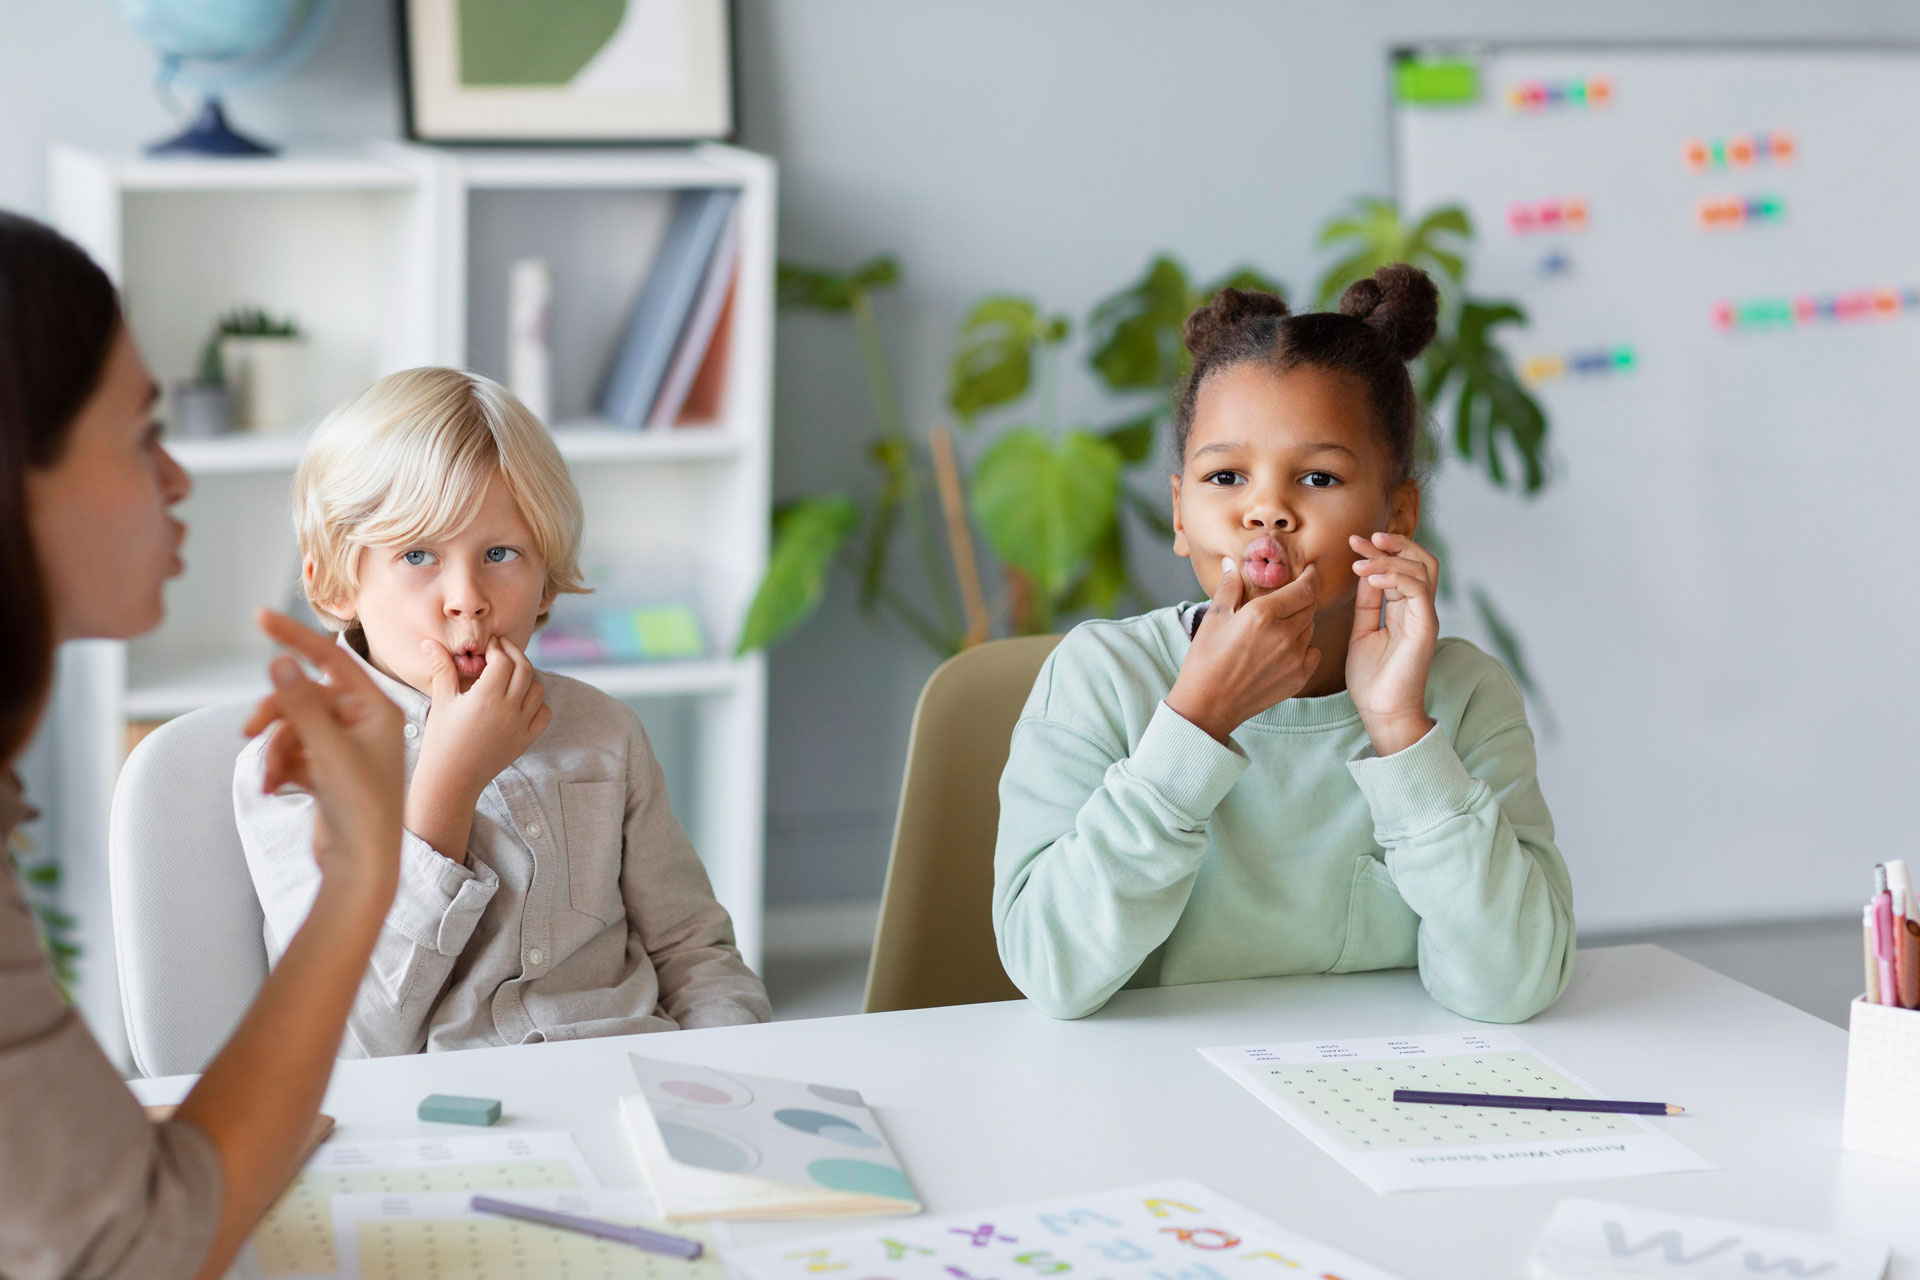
pixel 88 1185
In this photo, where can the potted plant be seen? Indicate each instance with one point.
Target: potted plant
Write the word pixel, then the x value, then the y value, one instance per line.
pixel 203 404
pixel 266 366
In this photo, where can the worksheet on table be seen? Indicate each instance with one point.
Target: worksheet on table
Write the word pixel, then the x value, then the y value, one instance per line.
pixel 1339 1093
pixel 295 1241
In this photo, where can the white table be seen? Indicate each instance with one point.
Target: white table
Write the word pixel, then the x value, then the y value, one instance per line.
pixel 992 1104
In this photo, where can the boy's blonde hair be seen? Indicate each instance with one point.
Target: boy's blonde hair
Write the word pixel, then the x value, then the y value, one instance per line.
pixel 408 459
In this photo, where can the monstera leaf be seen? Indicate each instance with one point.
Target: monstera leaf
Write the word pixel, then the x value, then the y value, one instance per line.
pixel 819 290
pixel 1044 507
pixel 1492 412
pixel 1136 332
pixel 806 537
pixel 993 361
pixel 1436 244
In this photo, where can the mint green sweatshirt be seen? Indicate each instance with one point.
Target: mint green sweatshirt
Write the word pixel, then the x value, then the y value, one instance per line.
pixel 1137 851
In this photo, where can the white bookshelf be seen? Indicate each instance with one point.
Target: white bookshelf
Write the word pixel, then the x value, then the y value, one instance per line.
pixel 390 257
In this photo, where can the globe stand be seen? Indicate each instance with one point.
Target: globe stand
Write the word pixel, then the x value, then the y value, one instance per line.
pixel 210 135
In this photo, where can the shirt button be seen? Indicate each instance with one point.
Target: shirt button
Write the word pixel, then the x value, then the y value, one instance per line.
pixel 411 731
pixel 533 829
pixel 533 957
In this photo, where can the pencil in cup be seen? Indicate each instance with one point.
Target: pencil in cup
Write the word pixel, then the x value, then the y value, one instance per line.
pixel 1506 1101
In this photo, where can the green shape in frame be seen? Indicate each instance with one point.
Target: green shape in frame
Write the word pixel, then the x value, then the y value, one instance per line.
pixel 507 43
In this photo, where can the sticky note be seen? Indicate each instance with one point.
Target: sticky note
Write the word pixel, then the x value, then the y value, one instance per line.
pixel 449 1109
pixel 1436 82
pixel 668 631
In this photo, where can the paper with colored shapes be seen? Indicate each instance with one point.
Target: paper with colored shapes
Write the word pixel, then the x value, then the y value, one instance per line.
pixel 1594 1239
pixel 1173 1230
pixel 718 1144
pixel 296 1238
pixel 386 1237
pixel 1339 1093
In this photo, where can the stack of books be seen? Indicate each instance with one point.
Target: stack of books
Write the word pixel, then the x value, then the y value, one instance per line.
pixel 669 369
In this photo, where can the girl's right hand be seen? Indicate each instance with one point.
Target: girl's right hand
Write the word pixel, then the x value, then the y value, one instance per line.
pixel 1247 657
pixel 339 741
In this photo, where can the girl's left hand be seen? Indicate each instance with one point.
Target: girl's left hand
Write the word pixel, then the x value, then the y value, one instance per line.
pixel 1394 630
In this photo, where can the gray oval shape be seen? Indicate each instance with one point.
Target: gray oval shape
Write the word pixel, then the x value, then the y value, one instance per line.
pixel 705 1149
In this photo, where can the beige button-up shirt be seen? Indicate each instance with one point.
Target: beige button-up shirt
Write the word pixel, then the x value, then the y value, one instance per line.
pixel 88 1185
pixel 585 910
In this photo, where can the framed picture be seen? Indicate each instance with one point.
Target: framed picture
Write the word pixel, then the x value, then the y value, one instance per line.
pixel 567 70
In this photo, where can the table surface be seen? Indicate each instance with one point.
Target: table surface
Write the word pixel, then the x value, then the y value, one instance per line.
pixel 996 1104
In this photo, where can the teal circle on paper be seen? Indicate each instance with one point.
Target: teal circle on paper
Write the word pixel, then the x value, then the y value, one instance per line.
pixel 862 1176
pixel 705 1149
pixel 821 1125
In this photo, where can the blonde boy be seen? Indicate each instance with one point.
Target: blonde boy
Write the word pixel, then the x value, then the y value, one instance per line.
pixel 546 890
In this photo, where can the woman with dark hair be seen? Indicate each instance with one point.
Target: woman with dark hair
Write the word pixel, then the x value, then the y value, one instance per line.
pixel 88 1185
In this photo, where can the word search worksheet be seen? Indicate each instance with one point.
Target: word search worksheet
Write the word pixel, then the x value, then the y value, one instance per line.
pixel 1339 1093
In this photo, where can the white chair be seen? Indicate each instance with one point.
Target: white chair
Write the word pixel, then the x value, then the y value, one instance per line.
pixel 186 925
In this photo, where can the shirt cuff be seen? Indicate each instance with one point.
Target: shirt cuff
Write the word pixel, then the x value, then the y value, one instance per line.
pixel 1184 764
pixel 439 901
pixel 1414 789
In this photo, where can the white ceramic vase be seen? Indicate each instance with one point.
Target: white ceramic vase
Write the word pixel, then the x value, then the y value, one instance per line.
pixel 269 380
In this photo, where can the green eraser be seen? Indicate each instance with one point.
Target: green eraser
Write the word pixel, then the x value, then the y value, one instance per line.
pixel 448 1109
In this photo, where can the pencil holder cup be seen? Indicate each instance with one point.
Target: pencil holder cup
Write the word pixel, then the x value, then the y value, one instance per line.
pixel 1883 1081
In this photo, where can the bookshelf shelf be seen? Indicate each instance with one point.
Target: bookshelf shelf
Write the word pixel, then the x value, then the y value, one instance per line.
pixel 396 255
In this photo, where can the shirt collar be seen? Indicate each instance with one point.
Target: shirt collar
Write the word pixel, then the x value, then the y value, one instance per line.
pixel 412 703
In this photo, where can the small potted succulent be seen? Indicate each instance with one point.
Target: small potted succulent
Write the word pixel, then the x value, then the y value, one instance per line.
pixel 266 366
pixel 203 404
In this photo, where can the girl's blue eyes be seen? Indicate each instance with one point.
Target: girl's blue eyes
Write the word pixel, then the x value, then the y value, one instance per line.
pixel 495 555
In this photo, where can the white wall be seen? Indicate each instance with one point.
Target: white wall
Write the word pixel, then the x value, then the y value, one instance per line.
pixel 1043 146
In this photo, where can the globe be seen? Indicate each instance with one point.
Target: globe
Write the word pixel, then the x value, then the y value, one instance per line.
pixel 216 46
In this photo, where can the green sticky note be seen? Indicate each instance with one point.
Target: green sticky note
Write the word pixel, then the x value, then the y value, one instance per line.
pixel 449 1109
pixel 1436 82
pixel 668 631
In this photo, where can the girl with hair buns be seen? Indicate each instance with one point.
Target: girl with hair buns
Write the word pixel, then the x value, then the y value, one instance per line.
pixel 1295 775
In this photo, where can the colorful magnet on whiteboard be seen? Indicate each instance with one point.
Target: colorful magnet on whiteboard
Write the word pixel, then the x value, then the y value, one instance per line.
pixel 1520 218
pixel 1886 303
pixel 1739 152
pixel 1698 157
pixel 1623 358
pixel 1780 148
pixel 1574 214
pixel 1910 298
pixel 1599 91
pixel 1805 309
pixel 1537 95
pixel 1723 315
pixel 1555 264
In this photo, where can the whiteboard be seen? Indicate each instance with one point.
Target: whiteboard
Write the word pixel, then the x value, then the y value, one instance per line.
pixel 1718 591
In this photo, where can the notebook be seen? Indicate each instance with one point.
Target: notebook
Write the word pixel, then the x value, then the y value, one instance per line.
pixel 726 1145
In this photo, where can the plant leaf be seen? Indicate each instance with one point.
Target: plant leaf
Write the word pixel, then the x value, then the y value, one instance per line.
pixel 1135 333
pixel 891 457
pixel 818 289
pixel 1044 508
pixel 1106 578
pixel 807 536
pixel 1493 411
pixel 1133 439
pixel 1379 236
pixel 993 360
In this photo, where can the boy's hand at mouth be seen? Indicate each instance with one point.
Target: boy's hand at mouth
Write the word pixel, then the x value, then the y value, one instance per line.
pixel 1248 654
pixel 470 739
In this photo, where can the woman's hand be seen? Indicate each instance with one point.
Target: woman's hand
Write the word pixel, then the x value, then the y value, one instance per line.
pixel 1394 630
pixel 341 742
pixel 1247 657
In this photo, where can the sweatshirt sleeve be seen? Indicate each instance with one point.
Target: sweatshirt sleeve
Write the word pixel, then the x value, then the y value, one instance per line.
pixel 89 1187
pixel 1098 849
pixel 434 911
pixel 687 934
pixel 1469 844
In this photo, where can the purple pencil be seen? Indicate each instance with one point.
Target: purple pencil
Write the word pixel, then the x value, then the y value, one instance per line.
pixel 1504 1101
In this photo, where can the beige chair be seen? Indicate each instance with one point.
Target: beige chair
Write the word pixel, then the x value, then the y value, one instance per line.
pixel 935 945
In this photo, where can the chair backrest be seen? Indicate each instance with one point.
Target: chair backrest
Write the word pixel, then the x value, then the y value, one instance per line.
pixel 935 945
pixel 186 924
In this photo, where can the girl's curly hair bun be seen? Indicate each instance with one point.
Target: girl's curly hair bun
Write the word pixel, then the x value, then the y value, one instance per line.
pixel 1399 303
pixel 1206 328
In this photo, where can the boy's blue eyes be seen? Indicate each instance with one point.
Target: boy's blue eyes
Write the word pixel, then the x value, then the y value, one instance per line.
pixel 495 555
